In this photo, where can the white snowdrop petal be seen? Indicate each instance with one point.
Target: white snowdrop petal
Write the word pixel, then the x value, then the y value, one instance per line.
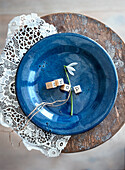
pixel 72 64
pixel 71 68
pixel 71 72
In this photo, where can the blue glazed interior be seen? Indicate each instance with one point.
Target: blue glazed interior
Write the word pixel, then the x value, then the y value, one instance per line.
pixel 95 73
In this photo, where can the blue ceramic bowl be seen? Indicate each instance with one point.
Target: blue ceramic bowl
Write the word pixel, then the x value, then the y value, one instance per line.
pixel 95 73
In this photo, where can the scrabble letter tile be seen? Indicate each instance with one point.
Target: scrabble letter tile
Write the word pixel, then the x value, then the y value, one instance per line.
pixel 50 85
pixel 66 87
pixel 59 82
pixel 77 89
pixel 54 84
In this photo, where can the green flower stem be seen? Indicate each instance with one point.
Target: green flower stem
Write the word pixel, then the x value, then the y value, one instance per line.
pixel 67 75
pixel 71 104
pixel 71 91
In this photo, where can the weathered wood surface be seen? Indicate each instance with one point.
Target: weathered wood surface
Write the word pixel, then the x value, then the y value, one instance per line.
pixel 96 30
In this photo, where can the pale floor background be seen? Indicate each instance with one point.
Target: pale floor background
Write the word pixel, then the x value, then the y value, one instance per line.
pixel 108 156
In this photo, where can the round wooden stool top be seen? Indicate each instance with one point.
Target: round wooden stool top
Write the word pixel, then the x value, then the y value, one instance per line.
pixel 112 43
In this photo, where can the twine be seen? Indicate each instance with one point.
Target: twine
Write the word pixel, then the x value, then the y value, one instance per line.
pixel 42 105
pixel 47 104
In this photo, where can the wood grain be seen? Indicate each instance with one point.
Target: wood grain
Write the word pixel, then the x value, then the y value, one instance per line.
pixel 110 12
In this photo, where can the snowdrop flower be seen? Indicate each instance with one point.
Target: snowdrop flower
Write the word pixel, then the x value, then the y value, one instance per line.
pixel 70 68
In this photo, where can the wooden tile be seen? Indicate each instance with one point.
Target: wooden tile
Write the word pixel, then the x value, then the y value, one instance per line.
pixel 66 87
pixel 50 85
pixel 53 84
pixel 77 89
pixel 59 82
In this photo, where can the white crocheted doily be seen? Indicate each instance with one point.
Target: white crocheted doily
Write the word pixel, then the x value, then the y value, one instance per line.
pixel 23 32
